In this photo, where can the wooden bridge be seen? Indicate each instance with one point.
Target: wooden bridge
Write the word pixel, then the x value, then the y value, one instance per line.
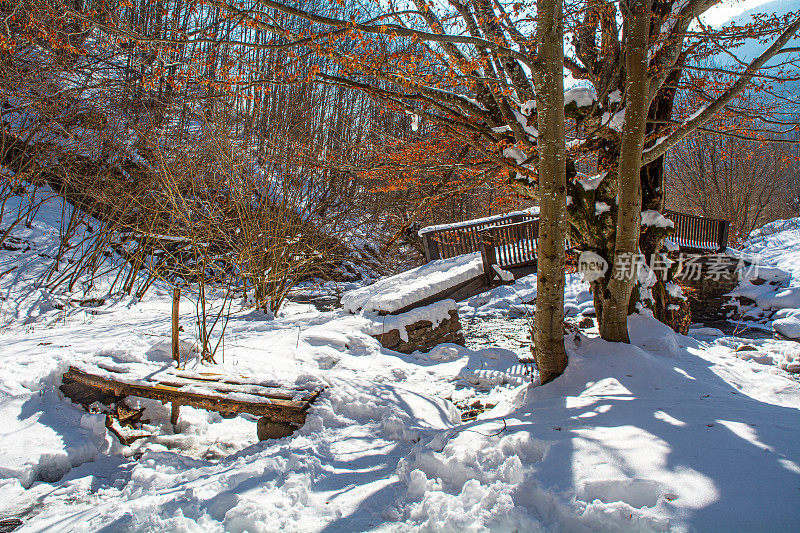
pixel 507 243
pixel 467 258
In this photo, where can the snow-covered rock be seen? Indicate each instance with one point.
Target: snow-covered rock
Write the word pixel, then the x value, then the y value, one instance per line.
pixel 787 323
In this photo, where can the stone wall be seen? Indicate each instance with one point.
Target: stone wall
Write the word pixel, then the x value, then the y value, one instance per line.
pixel 716 278
pixel 423 336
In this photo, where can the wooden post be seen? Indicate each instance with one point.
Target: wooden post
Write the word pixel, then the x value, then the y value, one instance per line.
pixel 175 414
pixel 431 246
pixel 176 347
pixel 724 228
pixel 488 253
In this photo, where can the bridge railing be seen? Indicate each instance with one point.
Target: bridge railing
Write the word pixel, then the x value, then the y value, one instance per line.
pixel 464 238
pixel 700 234
pixel 508 242
pixel 508 246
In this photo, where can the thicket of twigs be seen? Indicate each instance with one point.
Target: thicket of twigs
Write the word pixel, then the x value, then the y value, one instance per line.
pixel 187 186
pixel 253 189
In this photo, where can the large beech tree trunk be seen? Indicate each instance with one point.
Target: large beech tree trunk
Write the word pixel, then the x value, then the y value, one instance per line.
pixel 651 241
pixel 614 323
pixel 548 327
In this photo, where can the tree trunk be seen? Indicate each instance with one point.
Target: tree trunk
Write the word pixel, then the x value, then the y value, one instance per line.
pixel 614 323
pixel 548 327
pixel 651 240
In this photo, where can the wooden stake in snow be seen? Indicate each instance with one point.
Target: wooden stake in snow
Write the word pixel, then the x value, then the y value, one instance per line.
pixel 176 301
pixel 175 414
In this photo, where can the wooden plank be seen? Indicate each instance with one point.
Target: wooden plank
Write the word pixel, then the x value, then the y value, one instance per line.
pixel 488 253
pixel 277 409
pixel 203 378
pixel 723 235
pixel 221 380
pixel 431 247
pixel 225 388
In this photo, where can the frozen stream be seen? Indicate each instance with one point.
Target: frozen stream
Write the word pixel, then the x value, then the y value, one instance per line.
pixel 498 332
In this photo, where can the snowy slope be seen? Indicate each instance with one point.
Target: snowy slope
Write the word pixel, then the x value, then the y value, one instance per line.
pixel 773 282
pixel 669 433
pixel 777 244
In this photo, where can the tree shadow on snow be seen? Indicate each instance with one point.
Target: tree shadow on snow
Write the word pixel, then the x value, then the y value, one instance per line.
pixel 675 430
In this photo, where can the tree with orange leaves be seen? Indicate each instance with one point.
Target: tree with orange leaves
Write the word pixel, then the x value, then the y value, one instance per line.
pixel 474 67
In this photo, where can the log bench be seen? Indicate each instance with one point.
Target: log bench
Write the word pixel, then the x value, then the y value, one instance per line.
pixel 281 410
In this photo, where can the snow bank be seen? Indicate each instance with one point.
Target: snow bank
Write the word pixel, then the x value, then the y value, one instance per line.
pixel 435 313
pixel 769 296
pixel 580 96
pixel 776 244
pixel 40 441
pixel 519 299
pixel 644 436
pixel 409 287
pixel 787 323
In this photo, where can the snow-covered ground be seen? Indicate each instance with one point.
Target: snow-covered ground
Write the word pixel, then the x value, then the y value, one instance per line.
pixel 771 286
pixel 668 433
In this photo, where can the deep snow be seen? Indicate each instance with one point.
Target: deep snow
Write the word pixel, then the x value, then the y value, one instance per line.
pixel 668 433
